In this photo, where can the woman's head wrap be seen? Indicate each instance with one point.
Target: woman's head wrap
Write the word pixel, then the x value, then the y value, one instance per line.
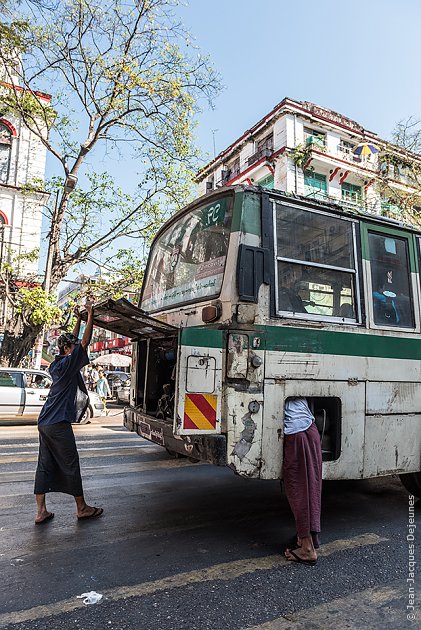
pixel 66 339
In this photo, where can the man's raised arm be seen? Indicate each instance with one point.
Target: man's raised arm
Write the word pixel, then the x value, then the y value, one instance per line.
pixel 87 334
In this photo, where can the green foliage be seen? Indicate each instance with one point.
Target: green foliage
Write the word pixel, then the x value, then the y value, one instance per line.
pixel 13 36
pixel 126 83
pixel 301 154
pixel 37 307
pixel 403 167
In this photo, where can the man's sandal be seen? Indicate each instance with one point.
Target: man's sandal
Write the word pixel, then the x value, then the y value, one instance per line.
pixel 97 512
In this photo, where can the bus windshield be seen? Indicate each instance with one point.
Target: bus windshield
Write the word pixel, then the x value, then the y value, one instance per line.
pixel 187 260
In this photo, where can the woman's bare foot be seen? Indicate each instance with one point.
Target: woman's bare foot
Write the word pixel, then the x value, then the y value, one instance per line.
pixel 305 552
pixel 43 516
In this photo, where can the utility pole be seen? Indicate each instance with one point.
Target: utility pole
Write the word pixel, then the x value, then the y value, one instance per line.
pixel 214 144
pixel 3 227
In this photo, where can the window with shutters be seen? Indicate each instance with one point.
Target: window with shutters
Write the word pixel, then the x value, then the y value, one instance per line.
pixel 5 150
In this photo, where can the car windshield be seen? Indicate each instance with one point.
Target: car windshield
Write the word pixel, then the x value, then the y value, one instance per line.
pixel 187 260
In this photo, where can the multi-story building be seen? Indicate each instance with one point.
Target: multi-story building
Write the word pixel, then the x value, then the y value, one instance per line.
pixel 302 148
pixel 22 162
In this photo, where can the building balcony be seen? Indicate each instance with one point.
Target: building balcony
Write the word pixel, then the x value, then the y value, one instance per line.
pixel 262 153
pixel 346 153
pixel 227 175
pixel 390 208
pixel 316 141
pixel 348 202
pixel 342 155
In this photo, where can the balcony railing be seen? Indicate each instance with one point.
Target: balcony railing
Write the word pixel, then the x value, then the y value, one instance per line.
pixel 390 208
pixel 261 153
pixel 346 202
pixel 346 153
pixel 316 142
pixel 356 202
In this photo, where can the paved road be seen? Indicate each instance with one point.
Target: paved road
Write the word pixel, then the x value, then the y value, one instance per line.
pixel 183 546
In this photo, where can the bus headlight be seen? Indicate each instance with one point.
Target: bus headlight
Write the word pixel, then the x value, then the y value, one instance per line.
pixel 256 361
pixel 211 313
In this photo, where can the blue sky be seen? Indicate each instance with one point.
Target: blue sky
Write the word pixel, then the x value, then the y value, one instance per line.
pixel 360 58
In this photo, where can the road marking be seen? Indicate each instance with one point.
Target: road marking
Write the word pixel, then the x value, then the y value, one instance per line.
pixel 80 442
pixel 7 456
pixel 15 458
pixel 223 571
pixel 107 469
pixel 376 608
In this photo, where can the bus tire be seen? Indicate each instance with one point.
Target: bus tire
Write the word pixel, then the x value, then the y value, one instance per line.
pixel 174 454
pixel 412 482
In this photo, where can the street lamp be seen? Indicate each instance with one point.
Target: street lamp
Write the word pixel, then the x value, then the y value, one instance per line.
pixel 70 183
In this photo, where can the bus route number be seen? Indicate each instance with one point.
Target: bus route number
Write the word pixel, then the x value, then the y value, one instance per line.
pixel 213 214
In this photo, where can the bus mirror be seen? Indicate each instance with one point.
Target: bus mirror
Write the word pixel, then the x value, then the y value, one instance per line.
pixel 211 313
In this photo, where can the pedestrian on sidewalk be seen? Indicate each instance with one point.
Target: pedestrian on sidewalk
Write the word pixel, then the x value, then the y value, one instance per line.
pixel 92 377
pixel 58 460
pixel 302 476
pixel 103 389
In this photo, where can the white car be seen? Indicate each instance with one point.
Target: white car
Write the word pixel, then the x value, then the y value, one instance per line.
pixel 23 393
pixel 123 393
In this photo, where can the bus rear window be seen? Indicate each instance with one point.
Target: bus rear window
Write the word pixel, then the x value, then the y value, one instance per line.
pixel 187 261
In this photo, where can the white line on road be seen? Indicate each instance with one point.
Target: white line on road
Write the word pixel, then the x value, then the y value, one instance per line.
pixel 224 571
pixel 83 450
pixel 376 608
pixel 108 469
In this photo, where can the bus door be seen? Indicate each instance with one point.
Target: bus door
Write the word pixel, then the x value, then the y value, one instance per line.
pixel 199 382
pixel 154 339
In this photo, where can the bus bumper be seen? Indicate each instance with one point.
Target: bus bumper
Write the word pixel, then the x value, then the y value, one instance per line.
pixel 205 448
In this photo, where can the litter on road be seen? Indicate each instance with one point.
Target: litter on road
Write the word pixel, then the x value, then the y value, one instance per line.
pixel 90 598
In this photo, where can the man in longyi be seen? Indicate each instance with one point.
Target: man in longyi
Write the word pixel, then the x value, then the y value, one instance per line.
pixel 58 460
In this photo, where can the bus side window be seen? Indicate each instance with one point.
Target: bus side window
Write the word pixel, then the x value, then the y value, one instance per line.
pixel 390 280
pixel 316 267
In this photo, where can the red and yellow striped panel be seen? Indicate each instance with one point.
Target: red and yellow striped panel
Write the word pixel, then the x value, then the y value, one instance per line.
pixel 200 412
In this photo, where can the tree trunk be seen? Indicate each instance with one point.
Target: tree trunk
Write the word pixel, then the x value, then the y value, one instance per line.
pixel 16 345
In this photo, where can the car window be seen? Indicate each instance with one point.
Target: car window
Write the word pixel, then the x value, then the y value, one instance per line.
pixel 37 380
pixel 10 379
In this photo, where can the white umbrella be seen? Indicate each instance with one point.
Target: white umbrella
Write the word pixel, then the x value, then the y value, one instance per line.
pixel 114 359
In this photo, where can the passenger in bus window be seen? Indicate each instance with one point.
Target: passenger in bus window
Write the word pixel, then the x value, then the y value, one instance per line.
pixel 384 305
pixel 302 476
pixel 291 301
pixel 346 310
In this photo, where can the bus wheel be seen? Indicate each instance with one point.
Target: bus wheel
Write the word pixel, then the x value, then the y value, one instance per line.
pixel 412 482
pixel 174 454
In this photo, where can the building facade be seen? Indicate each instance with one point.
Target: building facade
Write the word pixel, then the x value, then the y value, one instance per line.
pixel 22 162
pixel 302 148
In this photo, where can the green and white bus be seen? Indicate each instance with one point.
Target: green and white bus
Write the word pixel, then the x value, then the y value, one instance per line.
pixel 252 296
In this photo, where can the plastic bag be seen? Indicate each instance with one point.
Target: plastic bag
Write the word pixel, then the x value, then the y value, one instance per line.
pixel 90 598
